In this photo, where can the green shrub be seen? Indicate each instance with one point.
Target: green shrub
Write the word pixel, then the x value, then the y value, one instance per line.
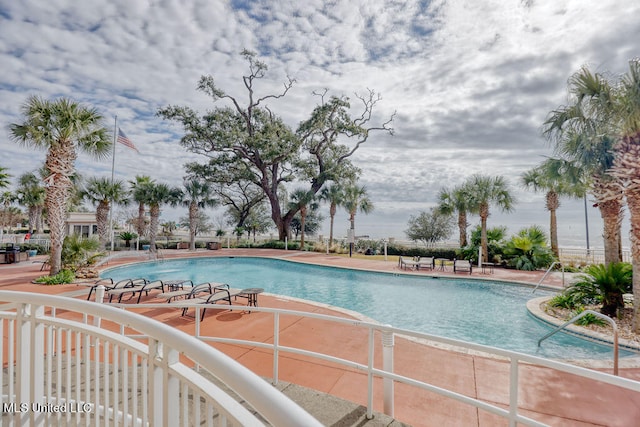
pixel 528 250
pixel 30 246
pixel 64 276
pixel 407 251
pixel 587 319
pixel 495 244
pixel 563 301
pixel 604 284
pixel 78 252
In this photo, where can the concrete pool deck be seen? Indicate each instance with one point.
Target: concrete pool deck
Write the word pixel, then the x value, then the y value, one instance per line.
pixel 555 398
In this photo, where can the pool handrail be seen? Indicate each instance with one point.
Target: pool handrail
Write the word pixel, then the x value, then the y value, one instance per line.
pixel 608 319
pixel 544 276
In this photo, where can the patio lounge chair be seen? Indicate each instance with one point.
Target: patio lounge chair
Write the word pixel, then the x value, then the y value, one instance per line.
pixel 135 286
pixel 188 291
pixel 107 282
pixel 463 265
pixel 426 262
pixel 220 292
pixel 406 263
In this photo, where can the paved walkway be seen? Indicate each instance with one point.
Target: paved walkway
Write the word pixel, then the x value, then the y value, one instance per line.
pixel 556 399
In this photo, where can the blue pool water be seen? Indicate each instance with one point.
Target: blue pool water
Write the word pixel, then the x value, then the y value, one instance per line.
pixel 489 313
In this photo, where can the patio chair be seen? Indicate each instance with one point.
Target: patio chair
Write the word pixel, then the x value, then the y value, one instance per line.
pixel 426 262
pixel 462 265
pixel 107 282
pixel 406 263
pixel 220 292
pixel 189 290
pixel 133 287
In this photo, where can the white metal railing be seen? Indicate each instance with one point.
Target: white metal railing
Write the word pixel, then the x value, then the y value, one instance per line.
pixel 65 363
pixel 387 373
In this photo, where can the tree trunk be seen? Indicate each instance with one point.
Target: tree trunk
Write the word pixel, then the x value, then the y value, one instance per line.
pixel 627 169
pixel 59 162
pixel 102 220
pixel 32 218
pixel 553 233
pixel 462 227
pixel 39 220
pixel 153 227
pixel 484 214
pixel 611 213
pixel 303 217
pixel 193 217
pixel 140 225
pixel 332 214
pixel 552 204
pixel 56 200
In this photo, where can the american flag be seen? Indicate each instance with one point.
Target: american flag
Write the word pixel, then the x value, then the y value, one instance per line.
pixel 122 139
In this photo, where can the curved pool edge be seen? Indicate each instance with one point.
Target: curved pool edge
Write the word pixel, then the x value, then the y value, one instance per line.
pixel 628 362
pixel 533 307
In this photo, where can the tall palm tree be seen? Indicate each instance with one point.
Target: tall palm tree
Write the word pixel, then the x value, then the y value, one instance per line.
pixel 139 189
pixel 156 196
pixel 626 168
pixel 457 200
pixel 303 200
pixel 197 194
pixel 103 192
pixel 355 199
pixel 485 191
pixel 63 128
pixel 556 178
pixel 334 194
pixel 583 134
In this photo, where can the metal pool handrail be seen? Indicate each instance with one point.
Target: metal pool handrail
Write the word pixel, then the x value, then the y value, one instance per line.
pixel 599 315
pixel 547 273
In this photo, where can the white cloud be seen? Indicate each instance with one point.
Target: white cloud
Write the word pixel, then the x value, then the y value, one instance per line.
pixel 471 81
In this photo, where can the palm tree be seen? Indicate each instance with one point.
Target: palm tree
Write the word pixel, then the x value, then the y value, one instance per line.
pixel 303 200
pixel 104 192
pixel 197 194
pixel 556 178
pixel 139 189
pixel 485 191
pixel 614 106
pixel 32 196
pixel 583 135
pixel 4 178
pixel 63 128
pixel 334 194
pixel 156 196
pixel 626 168
pixel 355 199
pixel 457 200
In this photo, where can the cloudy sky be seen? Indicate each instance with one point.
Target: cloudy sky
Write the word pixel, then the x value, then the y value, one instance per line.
pixel 471 80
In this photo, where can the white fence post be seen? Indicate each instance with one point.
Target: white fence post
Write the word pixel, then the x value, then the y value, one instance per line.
pixel 387 366
pixel 29 361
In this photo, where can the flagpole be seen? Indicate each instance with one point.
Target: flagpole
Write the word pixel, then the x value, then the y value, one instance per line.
pixel 113 166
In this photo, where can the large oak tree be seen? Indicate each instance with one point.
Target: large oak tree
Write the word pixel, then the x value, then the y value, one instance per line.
pixel 252 141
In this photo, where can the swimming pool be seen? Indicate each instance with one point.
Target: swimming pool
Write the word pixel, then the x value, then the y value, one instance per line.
pixel 483 312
